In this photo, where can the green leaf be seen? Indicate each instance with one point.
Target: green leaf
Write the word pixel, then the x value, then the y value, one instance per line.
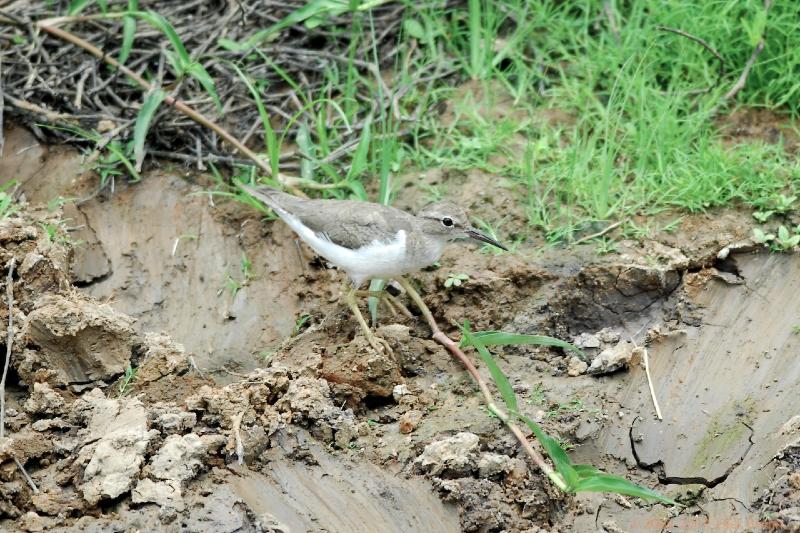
pixel 783 233
pixel 122 157
pixel 270 139
pixel 358 189
pixel 372 302
pixel 143 119
pixel 414 29
pixel 359 162
pixel 182 60
pixel 500 379
pixel 599 482
pixel 76 6
pixel 128 32
pixel 198 72
pixel 760 237
pixel 303 140
pixel 312 10
pixel 554 451
pixel 502 338
pixel 586 470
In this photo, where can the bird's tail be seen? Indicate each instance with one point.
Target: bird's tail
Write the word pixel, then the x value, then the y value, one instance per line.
pixel 269 196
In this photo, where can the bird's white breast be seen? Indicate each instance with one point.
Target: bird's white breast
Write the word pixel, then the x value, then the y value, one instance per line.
pixel 378 259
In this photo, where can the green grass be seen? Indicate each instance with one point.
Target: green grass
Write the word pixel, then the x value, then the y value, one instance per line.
pixel 638 140
pixel 640 133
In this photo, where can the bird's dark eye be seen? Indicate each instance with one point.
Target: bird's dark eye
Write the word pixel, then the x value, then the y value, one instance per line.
pixel 447 221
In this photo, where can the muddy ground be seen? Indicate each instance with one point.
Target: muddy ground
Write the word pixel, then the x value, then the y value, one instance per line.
pixel 239 420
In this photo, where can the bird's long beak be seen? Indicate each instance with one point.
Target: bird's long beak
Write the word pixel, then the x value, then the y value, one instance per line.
pixel 478 236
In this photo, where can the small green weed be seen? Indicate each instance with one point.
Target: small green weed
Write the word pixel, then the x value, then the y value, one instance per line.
pixel 127 380
pixel 782 241
pixel 606 246
pixel 246 268
pixel 537 395
pixel 7 204
pixel 567 476
pixel 573 406
pixel 231 285
pixel 55 232
pixel 300 323
pixel 455 280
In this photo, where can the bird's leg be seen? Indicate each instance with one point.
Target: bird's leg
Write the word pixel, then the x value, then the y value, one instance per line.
pixel 376 342
pixel 394 303
pixel 417 299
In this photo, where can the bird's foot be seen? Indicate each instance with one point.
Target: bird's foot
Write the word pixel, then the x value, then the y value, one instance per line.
pixel 379 344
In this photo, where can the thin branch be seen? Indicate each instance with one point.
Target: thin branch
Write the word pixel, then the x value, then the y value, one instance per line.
pixel 9 342
pixel 646 361
pixel 607 229
pixel 34 488
pixel 2 106
pixel 704 44
pixel 742 81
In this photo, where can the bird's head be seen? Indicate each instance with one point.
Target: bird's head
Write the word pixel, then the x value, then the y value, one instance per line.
pixel 449 221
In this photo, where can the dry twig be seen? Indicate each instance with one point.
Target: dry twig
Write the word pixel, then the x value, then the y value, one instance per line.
pixel 33 486
pixel 9 343
pixel 704 44
pixel 742 80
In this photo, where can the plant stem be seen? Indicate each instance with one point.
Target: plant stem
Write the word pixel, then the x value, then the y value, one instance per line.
pixel 451 346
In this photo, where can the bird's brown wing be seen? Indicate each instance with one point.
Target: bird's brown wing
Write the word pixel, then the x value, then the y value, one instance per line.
pixel 348 223
pixel 353 224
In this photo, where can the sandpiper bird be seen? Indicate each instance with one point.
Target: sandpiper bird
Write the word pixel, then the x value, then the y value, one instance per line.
pixel 369 240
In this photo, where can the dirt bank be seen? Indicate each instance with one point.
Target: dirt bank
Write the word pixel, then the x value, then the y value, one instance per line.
pixel 145 395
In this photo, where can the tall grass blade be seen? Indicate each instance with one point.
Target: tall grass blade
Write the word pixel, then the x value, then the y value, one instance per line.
pixel 554 450
pixel 599 482
pixel 500 379
pixel 181 59
pixel 142 125
pixel 359 162
pixel 270 139
pixel 475 38
pixel 76 6
pixel 199 72
pixel 313 14
pixel 160 23
pixel 128 32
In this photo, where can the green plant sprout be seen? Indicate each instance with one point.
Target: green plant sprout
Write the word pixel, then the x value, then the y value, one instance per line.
pixel 231 285
pixel 455 280
pixel 126 382
pixel 7 204
pixel 301 321
pixel 783 241
pixel 567 476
